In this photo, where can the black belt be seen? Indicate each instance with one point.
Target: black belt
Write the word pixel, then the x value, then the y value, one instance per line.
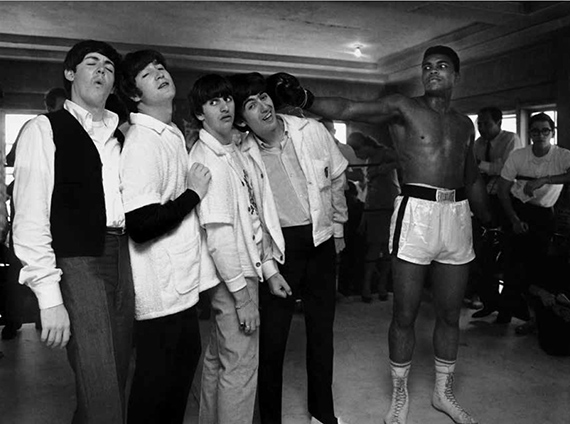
pixel 115 231
pixel 434 194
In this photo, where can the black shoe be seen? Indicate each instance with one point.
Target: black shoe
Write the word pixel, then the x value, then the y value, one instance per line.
pixel 482 313
pixel 10 331
pixel 367 299
pixel 382 297
pixel 528 327
pixel 503 318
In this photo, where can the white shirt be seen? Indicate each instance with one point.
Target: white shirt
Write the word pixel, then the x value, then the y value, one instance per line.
pixel 167 270
pixel 500 148
pixel 523 163
pixel 33 188
pixel 323 166
pixel 289 183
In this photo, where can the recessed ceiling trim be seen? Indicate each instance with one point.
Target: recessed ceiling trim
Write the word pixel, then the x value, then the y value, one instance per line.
pixel 63 44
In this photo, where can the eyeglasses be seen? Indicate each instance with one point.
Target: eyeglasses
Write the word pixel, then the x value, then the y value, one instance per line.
pixel 544 131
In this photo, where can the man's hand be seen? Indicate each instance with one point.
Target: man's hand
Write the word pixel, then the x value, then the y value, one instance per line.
pixel 248 317
pixel 339 244
pixel 199 179
pixel 519 227
pixel 278 286
pixel 533 185
pixel 247 311
pixel 285 89
pixel 55 326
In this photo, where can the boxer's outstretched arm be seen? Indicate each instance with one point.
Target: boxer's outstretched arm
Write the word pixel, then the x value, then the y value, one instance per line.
pixel 372 112
pixel 285 88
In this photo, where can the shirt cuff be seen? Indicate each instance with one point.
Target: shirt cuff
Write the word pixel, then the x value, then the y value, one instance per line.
pixel 485 167
pixel 269 269
pixel 48 294
pixel 236 283
pixel 338 229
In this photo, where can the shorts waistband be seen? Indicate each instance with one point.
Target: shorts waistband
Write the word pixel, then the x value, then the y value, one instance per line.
pixel 115 231
pixel 434 194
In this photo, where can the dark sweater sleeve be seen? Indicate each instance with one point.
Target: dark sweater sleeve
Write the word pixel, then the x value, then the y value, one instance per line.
pixel 151 221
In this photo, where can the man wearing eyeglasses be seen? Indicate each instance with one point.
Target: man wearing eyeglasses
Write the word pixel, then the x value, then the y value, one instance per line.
pixel 530 184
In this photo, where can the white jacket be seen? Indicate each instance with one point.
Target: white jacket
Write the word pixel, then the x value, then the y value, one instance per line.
pixel 233 208
pixel 323 165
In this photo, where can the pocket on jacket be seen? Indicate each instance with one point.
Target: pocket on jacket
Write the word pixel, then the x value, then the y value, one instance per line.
pixel 323 174
pixel 179 264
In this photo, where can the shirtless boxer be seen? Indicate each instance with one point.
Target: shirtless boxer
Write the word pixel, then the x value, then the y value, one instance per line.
pixel 431 224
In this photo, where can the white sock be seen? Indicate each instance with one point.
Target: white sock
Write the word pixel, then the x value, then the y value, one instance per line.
pixel 400 370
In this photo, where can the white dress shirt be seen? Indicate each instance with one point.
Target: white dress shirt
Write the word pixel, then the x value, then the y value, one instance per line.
pixel 33 188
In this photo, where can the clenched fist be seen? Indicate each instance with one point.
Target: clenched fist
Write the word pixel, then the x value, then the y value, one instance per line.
pixel 285 89
pixel 199 179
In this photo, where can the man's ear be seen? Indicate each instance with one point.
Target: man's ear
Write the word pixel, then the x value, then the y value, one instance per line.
pixel 135 98
pixel 200 117
pixel 69 75
pixel 240 123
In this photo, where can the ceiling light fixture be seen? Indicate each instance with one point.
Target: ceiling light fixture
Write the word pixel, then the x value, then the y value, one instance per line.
pixel 357 52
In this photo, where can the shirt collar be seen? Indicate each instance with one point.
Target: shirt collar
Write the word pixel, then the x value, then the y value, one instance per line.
pixel 85 118
pixel 212 143
pixel 150 122
pixel 496 137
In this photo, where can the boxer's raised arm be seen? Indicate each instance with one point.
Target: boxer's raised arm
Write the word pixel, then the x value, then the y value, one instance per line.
pixel 286 89
pixel 372 112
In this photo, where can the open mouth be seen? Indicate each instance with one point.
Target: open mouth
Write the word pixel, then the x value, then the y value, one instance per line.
pixel 164 84
pixel 267 117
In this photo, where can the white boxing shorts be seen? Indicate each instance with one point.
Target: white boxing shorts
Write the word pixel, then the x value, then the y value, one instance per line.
pixel 432 224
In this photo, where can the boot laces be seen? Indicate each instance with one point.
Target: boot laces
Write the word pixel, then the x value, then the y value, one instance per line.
pixel 450 397
pixel 399 396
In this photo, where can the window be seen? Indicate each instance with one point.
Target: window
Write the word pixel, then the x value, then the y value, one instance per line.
pixel 340 132
pixel 509 123
pixel 13 124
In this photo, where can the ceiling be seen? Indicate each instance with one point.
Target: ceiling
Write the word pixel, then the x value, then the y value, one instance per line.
pixel 310 38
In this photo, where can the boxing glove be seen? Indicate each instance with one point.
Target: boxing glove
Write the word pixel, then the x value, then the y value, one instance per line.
pixel 285 89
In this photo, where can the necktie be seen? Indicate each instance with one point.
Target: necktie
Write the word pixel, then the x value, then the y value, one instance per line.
pixel 488 152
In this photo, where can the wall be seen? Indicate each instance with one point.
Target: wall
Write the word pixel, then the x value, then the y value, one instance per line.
pixel 25 83
pixel 537 74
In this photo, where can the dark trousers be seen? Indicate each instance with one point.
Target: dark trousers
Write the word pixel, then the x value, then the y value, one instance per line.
pixel 310 272
pixel 167 353
pixel 99 297
pixel 487 267
pixel 527 255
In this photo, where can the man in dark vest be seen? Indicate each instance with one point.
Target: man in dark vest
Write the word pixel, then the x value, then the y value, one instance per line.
pixel 69 233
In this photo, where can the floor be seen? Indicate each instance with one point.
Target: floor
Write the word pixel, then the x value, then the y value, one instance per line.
pixel 501 378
